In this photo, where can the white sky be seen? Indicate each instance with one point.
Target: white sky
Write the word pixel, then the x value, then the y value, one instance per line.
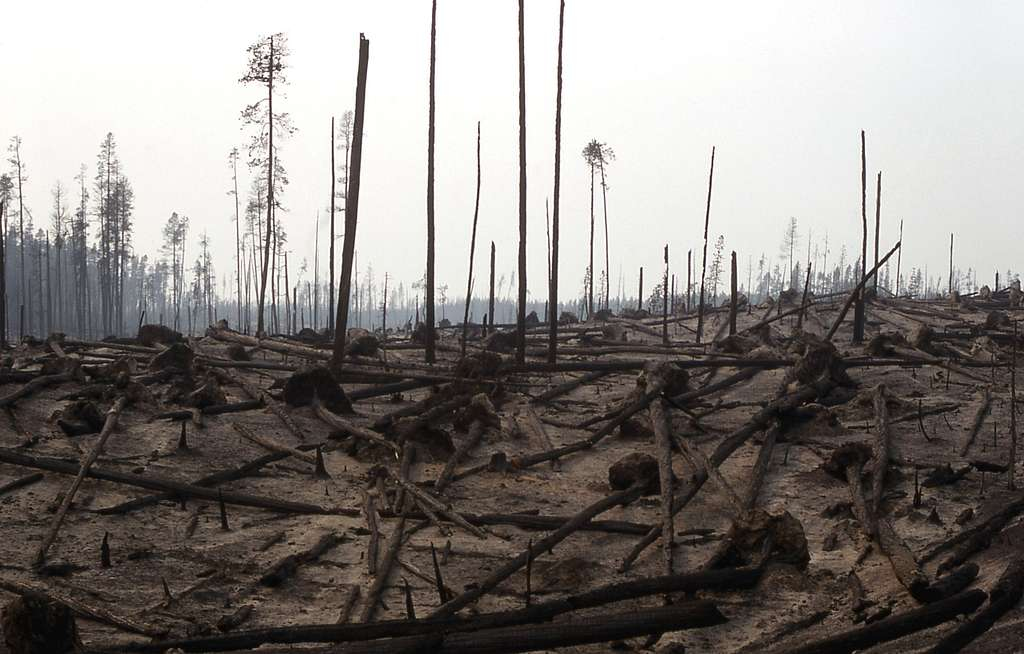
pixel 781 88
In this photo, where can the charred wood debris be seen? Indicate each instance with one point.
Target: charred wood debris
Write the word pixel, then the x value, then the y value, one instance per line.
pixel 777 488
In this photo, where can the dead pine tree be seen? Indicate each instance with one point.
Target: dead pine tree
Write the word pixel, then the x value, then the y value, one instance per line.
pixel 734 300
pixel 472 245
pixel 233 160
pixel 899 260
pixel 266 65
pixel 1013 411
pixel 429 291
pixel 3 276
pixel 689 285
pixel 351 206
pixel 664 307
pixel 640 291
pixel 859 309
pixel 330 256
pixel 521 309
pixel 553 276
pixel 704 263
pixel 951 264
pixel 490 296
pixel 878 224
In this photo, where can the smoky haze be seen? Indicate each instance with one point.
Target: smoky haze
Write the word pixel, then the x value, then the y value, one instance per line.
pixel 781 89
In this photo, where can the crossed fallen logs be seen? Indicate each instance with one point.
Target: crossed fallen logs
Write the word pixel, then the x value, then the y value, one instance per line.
pixel 395 504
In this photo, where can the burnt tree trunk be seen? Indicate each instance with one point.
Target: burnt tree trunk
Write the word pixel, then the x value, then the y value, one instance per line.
pixel 553 281
pixel 858 312
pixel 351 206
pixel 733 304
pixel 330 256
pixel 429 298
pixel 704 263
pixel 490 295
pixel 521 309
pixel 472 245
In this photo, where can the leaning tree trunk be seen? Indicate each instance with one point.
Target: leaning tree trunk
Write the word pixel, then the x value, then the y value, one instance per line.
pixel 704 262
pixel 553 281
pixel 472 245
pixel 521 311
pixel 351 206
pixel 430 192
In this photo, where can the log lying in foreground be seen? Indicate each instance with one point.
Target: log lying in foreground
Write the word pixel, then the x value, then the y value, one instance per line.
pixel 69 495
pixel 286 567
pixel 892 627
pixel 546 544
pixel 591 629
pixel 1005 595
pixel 36 384
pixel 215 479
pixel 979 419
pixel 977 538
pixel 727 579
pixel 178 489
pixel 83 610
pixel 212 410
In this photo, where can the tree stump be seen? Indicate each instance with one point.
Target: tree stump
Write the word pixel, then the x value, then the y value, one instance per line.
pixel 35 624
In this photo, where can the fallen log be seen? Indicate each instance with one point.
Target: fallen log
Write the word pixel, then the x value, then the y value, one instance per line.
pixel 725 449
pixel 286 567
pixel 978 538
pixel 1004 596
pixel 341 424
pixel 216 479
pixel 569 386
pixel 20 482
pixel 545 544
pixel 581 631
pixel 891 628
pixel 212 410
pixel 261 395
pixel 179 489
pixel 738 578
pixel 83 610
pixel 69 495
pixel 35 385
pixel 979 420
pixel 272 445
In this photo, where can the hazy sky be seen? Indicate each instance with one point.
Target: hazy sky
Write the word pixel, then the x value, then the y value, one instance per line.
pixel 781 88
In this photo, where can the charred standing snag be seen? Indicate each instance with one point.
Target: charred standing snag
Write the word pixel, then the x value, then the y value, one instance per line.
pixel 351 206
pixel 553 315
pixel 521 277
pixel 704 260
pixel 429 290
pixel 472 246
